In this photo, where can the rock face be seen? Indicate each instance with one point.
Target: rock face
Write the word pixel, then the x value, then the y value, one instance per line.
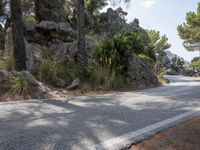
pixel 110 23
pixel 6 78
pixel 58 38
pixel 140 73
pixel 174 65
pixel 30 79
pixel 163 61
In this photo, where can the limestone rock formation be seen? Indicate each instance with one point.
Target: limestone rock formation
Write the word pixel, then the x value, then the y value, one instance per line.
pixel 74 85
pixel 174 65
pixel 7 77
pixel 163 61
pixel 140 74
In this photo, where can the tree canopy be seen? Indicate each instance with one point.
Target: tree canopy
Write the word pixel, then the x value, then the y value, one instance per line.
pixel 190 31
pixel 158 43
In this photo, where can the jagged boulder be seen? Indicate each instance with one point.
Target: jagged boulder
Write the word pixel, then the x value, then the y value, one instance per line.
pixel 163 61
pixel 36 88
pixel 74 85
pixel 111 23
pixel 59 82
pixel 140 74
pixel 29 78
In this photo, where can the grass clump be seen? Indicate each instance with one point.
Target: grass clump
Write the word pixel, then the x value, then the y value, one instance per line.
pixel 19 85
pixel 195 63
pixel 105 77
pixel 49 70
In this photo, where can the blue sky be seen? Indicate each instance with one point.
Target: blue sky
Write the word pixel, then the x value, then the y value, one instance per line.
pixel 164 16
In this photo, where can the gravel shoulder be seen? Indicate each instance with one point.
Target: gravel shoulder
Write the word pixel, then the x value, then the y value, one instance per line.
pixel 181 137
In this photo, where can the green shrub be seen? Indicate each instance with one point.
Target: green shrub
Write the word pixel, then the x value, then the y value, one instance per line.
pixel 86 87
pixel 106 77
pixel 49 71
pixel 20 85
pixel 195 63
pixel 150 61
pixel 47 53
pixel 28 18
pixel 116 52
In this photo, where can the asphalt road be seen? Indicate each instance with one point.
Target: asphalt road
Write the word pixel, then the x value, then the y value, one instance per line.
pixel 81 122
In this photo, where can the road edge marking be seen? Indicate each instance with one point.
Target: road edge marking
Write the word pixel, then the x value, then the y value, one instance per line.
pixel 138 135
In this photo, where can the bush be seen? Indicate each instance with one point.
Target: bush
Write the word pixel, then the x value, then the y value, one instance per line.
pixel 86 87
pixel 116 52
pixel 195 63
pixel 106 77
pixel 150 61
pixel 49 71
pixel 20 85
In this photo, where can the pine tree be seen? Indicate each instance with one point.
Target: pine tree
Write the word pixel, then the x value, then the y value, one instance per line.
pixel 190 31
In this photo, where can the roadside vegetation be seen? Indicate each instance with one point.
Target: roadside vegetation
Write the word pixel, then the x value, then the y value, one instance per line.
pixel 83 46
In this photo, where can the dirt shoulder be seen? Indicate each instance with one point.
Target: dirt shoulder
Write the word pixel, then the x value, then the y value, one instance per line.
pixel 61 93
pixel 181 137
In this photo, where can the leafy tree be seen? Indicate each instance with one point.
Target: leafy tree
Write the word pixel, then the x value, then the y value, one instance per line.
pixel 195 62
pixel 190 30
pixel 18 35
pixel 158 43
pixel 195 59
pixel 94 5
pixel 81 45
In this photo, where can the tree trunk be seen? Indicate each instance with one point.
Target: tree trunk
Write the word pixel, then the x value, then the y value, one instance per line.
pixel 81 46
pixel 18 35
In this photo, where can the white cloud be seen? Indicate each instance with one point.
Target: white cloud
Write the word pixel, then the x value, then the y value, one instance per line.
pixel 147 3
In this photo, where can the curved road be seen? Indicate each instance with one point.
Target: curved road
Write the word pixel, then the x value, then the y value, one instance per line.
pixel 82 122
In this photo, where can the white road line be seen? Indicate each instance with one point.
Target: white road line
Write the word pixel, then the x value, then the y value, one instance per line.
pixel 144 132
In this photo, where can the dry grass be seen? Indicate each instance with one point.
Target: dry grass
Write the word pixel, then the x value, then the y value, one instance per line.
pixel 182 137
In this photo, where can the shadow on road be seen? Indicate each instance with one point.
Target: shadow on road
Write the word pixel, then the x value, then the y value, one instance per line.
pixel 71 124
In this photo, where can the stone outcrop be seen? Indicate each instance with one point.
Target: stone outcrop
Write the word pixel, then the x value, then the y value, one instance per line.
pixel 37 89
pixel 163 61
pixel 74 85
pixel 57 37
pixel 174 65
pixel 140 74
pixel 110 23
